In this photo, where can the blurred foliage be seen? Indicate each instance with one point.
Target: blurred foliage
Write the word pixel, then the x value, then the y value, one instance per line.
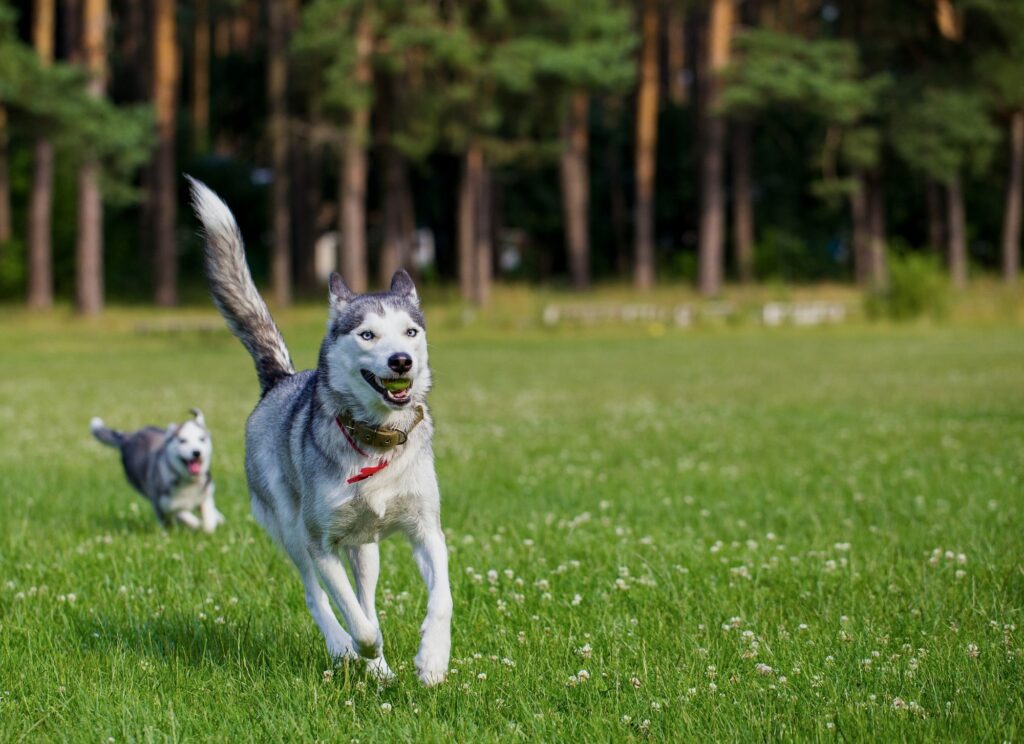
pixel 917 287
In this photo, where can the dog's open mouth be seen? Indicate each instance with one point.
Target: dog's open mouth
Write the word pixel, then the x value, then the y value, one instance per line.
pixel 194 465
pixel 396 390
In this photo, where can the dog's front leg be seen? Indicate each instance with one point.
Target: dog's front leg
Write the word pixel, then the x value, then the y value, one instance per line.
pixel 431 555
pixel 365 562
pixel 211 516
pixel 188 519
pixel 365 633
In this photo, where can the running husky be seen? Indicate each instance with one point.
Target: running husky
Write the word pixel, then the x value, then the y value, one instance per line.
pixel 170 467
pixel 339 457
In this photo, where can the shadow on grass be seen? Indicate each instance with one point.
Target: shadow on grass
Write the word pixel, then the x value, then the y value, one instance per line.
pixel 175 637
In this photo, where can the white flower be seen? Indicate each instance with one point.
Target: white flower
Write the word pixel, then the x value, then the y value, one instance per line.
pixel 898 704
pixel 386 707
pixel 764 670
pixel 328 675
pixel 973 651
pixel 482 676
pixel 635 681
pixel 576 599
pixel 582 675
pixel 585 650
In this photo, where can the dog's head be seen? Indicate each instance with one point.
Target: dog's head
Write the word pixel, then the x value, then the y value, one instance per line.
pixel 189 447
pixel 375 352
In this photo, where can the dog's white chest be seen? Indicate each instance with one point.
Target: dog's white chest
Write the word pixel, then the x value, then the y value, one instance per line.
pixel 186 497
pixel 369 516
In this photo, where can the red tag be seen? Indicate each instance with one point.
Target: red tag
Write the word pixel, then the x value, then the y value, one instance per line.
pixel 365 473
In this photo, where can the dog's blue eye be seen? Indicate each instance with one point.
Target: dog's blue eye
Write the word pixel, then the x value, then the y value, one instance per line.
pixel 411 332
pixel 366 335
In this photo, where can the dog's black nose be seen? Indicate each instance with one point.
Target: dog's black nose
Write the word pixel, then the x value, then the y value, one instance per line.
pixel 195 454
pixel 400 362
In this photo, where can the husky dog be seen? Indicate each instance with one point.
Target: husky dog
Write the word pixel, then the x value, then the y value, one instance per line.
pixel 170 467
pixel 339 457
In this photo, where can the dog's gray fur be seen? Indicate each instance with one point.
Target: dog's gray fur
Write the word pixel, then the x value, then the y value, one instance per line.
pixel 157 464
pixel 304 476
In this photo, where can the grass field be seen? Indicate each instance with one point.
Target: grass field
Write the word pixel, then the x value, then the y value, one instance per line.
pixel 739 534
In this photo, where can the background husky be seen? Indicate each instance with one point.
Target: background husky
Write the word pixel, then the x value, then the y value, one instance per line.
pixel 170 467
pixel 340 456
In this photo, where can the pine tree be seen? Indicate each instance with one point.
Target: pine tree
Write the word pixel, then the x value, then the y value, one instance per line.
pixel 40 246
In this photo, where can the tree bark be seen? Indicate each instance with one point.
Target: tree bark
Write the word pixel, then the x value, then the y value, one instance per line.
pixel 165 202
pixel 676 56
pixel 5 183
pixel 201 74
pixel 742 201
pixel 646 148
pixel 712 212
pixel 305 195
pixel 1012 210
pixel 957 233
pixel 936 226
pixel 89 243
pixel 352 209
pixel 877 262
pixel 576 189
pixel 277 96
pixel 40 245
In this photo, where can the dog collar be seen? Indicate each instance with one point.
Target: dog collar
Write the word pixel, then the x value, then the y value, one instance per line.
pixel 360 432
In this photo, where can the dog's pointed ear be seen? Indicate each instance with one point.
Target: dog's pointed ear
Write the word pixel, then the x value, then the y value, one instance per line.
pixel 197 415
pixel 401 284
pixel 339 295
pixel 172 429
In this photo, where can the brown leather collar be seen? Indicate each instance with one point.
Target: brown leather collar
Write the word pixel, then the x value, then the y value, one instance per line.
pixel 361 433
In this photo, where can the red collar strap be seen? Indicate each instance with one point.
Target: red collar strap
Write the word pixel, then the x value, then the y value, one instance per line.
pixel 381 438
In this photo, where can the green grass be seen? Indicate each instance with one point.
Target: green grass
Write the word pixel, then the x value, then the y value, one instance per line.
pixel 689 506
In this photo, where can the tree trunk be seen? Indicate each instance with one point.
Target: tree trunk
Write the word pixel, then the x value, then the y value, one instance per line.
pixel 576 189
pixel 957 233
pixel 201 74
pixel 483 251
pixel 352 209
pixel 1012 210
pixel 5 183
pixel 877 263
pixel 861 218
pixel 305 182
pixel 676 36
pixel 40 246
pixel 397 228
pixel 277 97
pixel 936 228
pixel 712 211
pixel 89 243
pixel 742 201
pixel 165 202
pixel 646 148
pixel 619 213
pixel 472 164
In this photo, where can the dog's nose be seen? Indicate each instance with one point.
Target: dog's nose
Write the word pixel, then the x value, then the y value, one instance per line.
pixel 196 454
pixel 400 362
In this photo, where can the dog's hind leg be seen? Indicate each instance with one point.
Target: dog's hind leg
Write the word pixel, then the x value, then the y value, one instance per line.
pixel 365 561
pixel 339 643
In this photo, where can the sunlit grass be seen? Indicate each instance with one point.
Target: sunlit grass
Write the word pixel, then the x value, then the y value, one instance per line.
pixel 739 534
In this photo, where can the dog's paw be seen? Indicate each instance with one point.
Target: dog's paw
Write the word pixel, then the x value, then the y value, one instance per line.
pixel 379 669
pixel 341 651
pixel 431 667
pixel 432 677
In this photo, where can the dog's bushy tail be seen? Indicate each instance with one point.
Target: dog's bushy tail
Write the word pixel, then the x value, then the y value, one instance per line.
pixel 109 437
pixel 234 292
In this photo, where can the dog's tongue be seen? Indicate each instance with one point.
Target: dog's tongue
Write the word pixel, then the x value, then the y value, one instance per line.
pixel 194 466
